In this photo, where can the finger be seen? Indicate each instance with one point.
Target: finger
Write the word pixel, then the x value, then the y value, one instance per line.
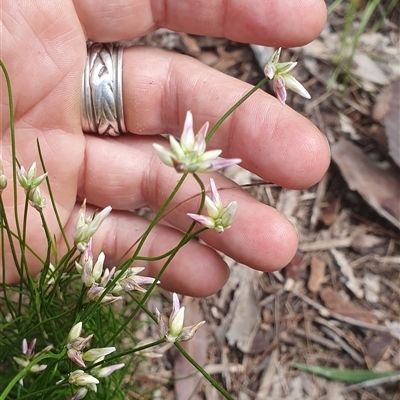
pixel 132 176
pixel 288 23
pixel 190 270
pixel 273 141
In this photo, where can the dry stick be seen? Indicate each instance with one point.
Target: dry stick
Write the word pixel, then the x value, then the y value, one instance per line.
pixel 327 313
pixel 326 244
pixel 316 209
pixel 366 384
pixel 267 378
pixel 348 349
pixel 317 339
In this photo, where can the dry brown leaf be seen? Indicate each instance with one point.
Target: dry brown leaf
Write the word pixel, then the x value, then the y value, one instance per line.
pixel 387 111
pixel 317 274
pixel 246 315
pixel 380 188
pixel 186 378
pixel 377 346
pixel 334 302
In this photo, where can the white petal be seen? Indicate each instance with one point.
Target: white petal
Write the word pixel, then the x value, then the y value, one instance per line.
pixel 293 84
pixel 212 208
pixel 210 155
pixel 164 155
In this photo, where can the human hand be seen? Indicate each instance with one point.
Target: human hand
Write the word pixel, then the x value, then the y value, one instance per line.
pixel 44 50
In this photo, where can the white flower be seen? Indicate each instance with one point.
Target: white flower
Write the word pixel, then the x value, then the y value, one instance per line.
pixel 190 154
pixel 176 332
pixel 87 227
pixel 279 73
pixel 219 217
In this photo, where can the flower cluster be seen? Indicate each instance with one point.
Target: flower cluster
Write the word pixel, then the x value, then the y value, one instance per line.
pixel 28 354
pixel 219 217
pixel 30 183
pixel 87 227
pixel 190 154
pixel 176 332
pixel 93 277
pixel 279 74
pixel 75 346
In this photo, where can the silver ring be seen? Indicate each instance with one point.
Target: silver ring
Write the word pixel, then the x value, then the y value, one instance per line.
pixel 102 110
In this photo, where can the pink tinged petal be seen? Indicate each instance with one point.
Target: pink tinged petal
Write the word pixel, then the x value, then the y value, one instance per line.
pixel 107 275
pixel 106 371
pixel 79 395
pixel 221 163
pixel 76 357
pixel 208 222
pixel 293 84
pixel 279 88
pixel 200 145
pixel 187 138
pixel 176 305
pixel 216 198
pixel 95 292
pixel 80 343
pixel 87 275
pixel 269 71
pixel 81 216
pixel 165 156
pixel 130 284
pixel 145 280
pixel 75 332
pixel 94 354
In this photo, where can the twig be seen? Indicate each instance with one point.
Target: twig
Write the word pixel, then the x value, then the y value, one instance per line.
pixel 266 379
pixel 349 350
pixel 316 208
pixel 327 313
pixel 317 339
pixel 326 244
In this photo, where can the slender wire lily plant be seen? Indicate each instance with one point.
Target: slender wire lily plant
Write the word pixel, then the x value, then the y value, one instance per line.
pixel 64 333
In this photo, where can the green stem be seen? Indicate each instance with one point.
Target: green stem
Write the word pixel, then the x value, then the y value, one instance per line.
pixel 127 352
pixel 234 107
pixel 203 372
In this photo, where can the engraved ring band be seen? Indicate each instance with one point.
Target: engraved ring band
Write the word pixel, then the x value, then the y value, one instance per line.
pixel 101 104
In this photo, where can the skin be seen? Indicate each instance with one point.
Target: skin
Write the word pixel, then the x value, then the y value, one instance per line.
pixel 44 50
